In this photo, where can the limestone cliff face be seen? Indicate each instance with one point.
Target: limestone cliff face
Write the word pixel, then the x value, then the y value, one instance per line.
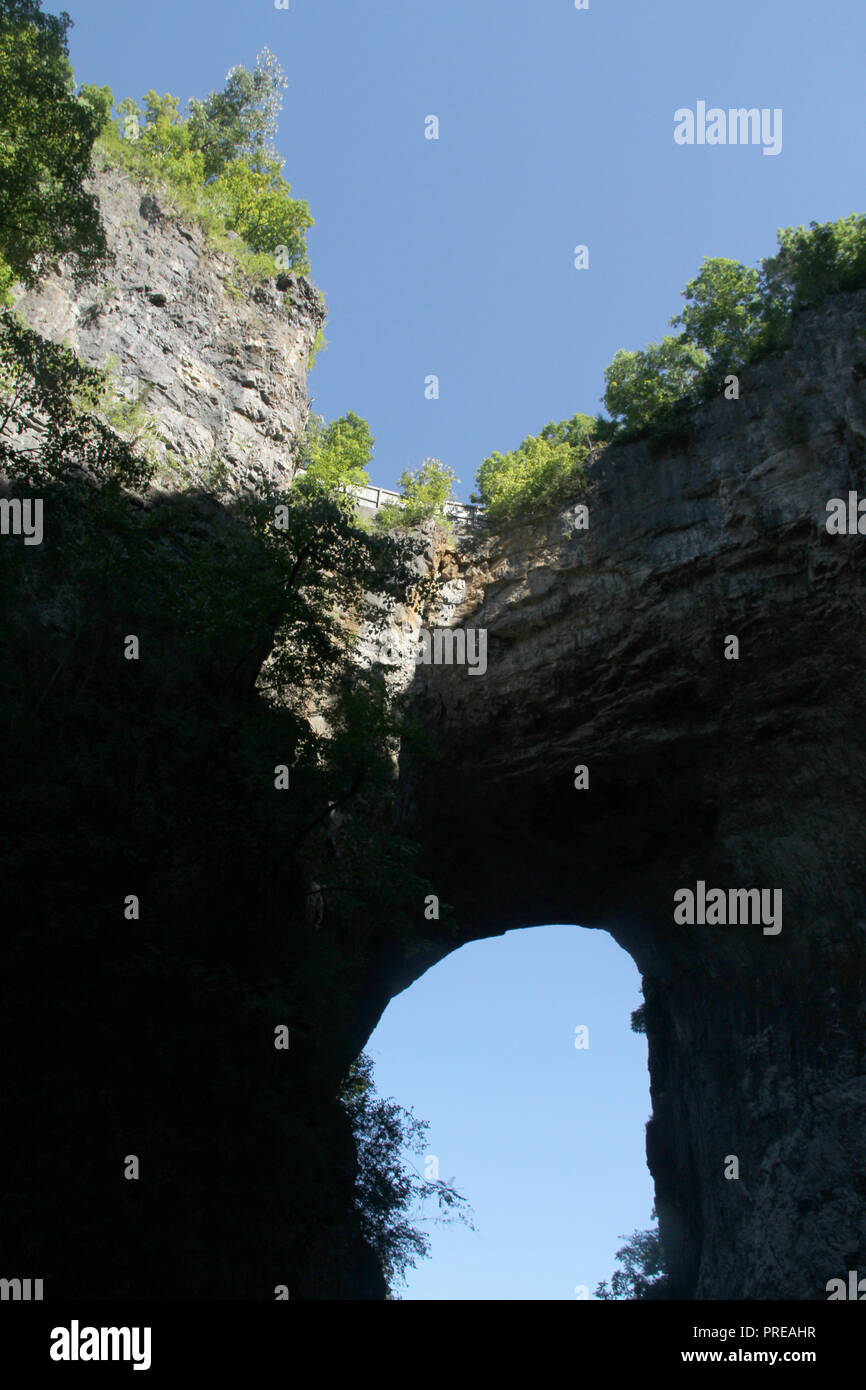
pixel 606 648
pixel 218 362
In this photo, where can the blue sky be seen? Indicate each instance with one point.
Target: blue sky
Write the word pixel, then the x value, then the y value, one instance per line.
pixel 455 257
pixel 544 1139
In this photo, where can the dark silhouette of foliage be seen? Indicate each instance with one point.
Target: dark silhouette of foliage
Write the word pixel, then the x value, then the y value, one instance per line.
pixel 49 428
pixel 167 922
pixel 154 1034
pixel 387 1187
pixel 643 1274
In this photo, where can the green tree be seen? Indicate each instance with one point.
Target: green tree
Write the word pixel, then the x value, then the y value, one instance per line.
pixel 532 474
pixel 389 1192
pixel 641 387
pixel 425 491
pixel 643 1273
pixel 256 204
pixel 733 316
pixel 46 142
pixel 219 163
pixel 827 258
pixel 338 454
pixel 723 314
pixel 578 433
pixel 164 141
pixel 100 100
pixel 240 122
pixel 544 469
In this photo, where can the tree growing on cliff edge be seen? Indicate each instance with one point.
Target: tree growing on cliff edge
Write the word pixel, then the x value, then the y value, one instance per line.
pixel 722 315
pixel 46 143
pixel 542 470
pixel 825 258
pixel 733 316
pixel 240 122
pixel 641 387
pixel 219 161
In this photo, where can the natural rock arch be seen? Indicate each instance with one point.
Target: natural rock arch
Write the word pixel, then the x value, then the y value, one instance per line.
pixel 606 648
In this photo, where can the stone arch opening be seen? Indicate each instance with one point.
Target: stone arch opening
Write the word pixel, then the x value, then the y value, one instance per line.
pixel 519 1052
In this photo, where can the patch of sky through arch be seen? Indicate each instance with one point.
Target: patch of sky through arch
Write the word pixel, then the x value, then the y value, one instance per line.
pixel 545 1140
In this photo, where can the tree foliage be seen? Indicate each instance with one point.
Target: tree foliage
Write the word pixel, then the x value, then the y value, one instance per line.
pixel 643 1273
pixel 258 207
pixel 722 317
pixel 219 162
pixel 390 1193
pixel 425 491
pixel 46 143
pixel 157 777
pixel 734 314
pixel 642 386
pixel 827 258
pixel 161 147
pixel 240 122
pixel 544 469
pixel 50 429
pixel 337 455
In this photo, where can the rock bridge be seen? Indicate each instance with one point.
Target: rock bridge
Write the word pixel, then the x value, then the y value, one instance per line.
pixel 736 765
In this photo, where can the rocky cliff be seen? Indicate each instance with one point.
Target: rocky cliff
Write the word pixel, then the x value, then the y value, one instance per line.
pixel 217 362
pixel 608 648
